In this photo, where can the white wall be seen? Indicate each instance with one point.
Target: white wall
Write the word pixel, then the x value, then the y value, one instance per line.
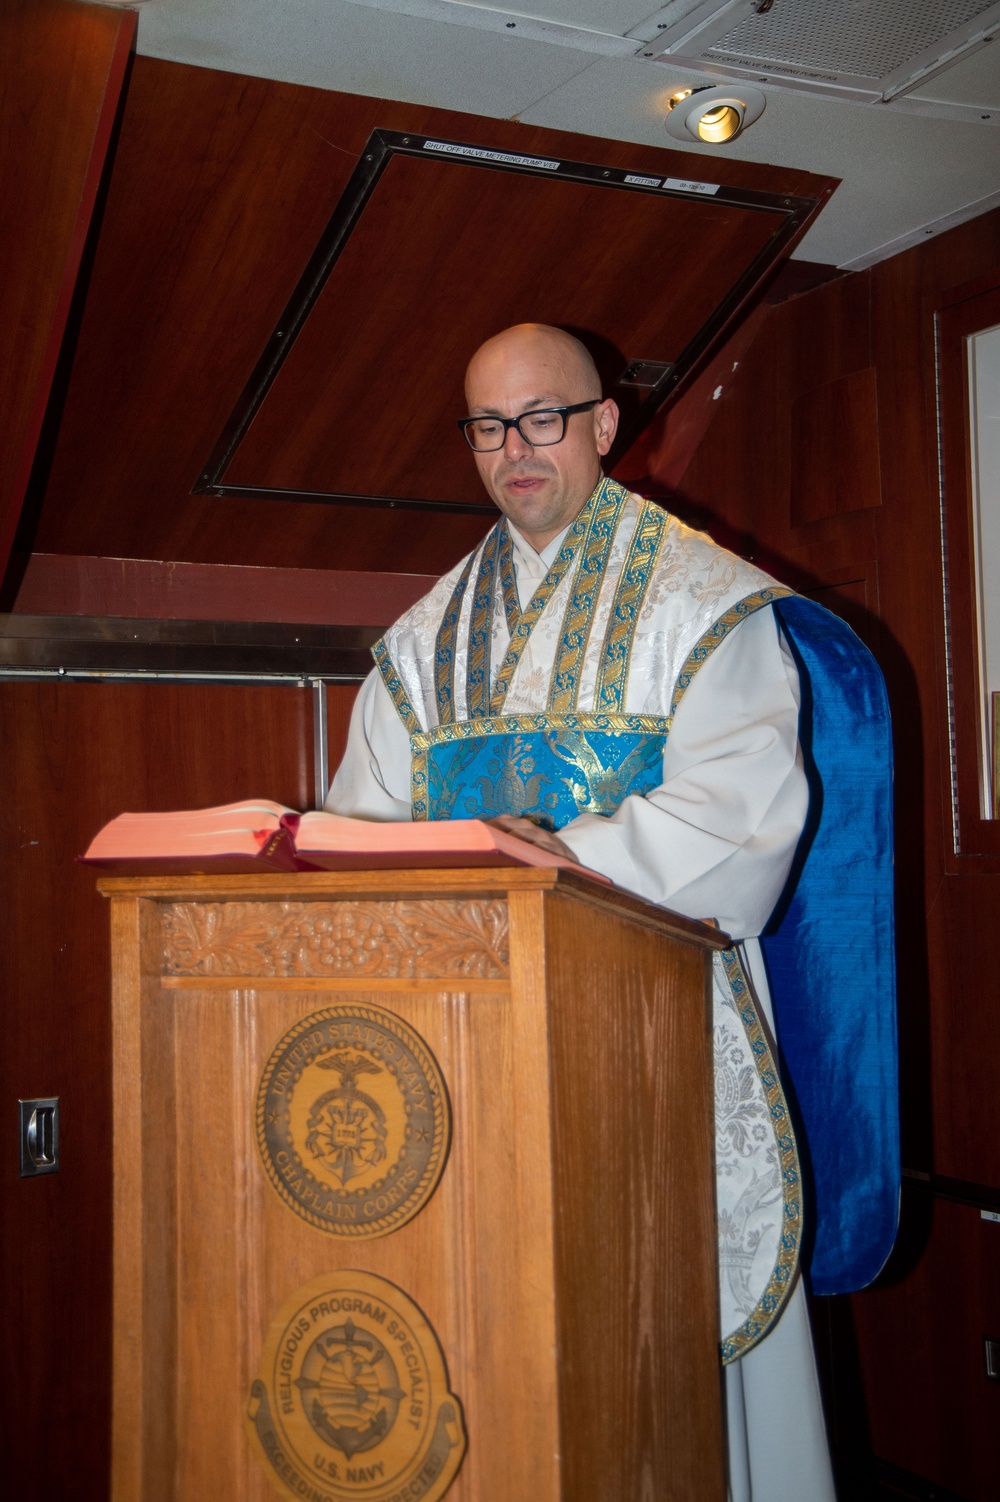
pixel 984 417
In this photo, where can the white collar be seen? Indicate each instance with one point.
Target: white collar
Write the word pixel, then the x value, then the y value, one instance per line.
pixel 536 565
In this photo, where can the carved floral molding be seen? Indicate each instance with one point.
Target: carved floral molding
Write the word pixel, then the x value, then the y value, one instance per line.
pixel 399 940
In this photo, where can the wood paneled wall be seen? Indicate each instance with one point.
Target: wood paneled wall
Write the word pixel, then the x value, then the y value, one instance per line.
pixel 62 67
pixel 821 464
pixel 63 584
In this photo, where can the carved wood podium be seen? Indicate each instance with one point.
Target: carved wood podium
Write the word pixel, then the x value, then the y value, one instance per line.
pixel 365 1121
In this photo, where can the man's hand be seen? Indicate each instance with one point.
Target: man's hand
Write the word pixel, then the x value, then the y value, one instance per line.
pixel 534 834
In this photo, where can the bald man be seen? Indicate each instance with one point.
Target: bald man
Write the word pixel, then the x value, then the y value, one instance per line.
pixel 592 632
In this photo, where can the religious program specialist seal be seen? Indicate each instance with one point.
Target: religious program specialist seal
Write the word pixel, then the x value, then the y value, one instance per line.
pixel 352 1120
pixel 352 1397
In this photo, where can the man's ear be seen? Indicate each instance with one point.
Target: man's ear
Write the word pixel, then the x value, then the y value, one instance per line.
pixel 605 425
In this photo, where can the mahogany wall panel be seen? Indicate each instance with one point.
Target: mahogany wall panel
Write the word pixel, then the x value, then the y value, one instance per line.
pixel 62 66
pixel 835 466
pixel 61 584
pixel 965 1028
pixel 976 832
pixel 932 1409
pixel 222 185
pixel 965 1057
pixel 339 703
pixel 72 756
pixel 656 462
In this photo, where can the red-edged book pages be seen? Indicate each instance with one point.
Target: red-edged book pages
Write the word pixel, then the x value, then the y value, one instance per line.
pixel 259 836
pixel 248 836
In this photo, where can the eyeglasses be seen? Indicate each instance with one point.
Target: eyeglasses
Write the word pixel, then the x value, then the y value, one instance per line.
pixel 539 429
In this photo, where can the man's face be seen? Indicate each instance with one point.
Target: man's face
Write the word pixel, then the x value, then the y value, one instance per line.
pixel 541 489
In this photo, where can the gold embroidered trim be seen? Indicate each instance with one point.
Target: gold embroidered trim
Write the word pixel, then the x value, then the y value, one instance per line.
pixel 392 681
pixel 643 553
pixel 717 633
pixel 540 599
pixel 477 671
pixel 782 1279
pixel 422 742
pixel 579 615
pixel 444 647
pixel 508 582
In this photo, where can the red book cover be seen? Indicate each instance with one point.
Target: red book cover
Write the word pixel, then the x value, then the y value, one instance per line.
pixel 258 835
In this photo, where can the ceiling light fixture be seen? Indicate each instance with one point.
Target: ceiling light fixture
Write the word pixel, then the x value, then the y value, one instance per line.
pixel 712 114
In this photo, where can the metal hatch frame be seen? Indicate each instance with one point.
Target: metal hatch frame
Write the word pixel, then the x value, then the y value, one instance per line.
pixel 381 147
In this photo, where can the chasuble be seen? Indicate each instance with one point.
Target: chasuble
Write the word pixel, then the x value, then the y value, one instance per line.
pixel 650 672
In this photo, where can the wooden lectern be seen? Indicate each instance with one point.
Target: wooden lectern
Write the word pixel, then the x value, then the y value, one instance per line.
pixel 485 1095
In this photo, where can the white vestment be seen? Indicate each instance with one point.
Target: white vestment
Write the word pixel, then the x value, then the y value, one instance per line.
pixel 714 840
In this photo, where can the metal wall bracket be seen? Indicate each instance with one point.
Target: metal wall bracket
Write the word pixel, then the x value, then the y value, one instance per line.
pixel 659 378
pixel 38 1135
pixel 650 374
pixel 991 1352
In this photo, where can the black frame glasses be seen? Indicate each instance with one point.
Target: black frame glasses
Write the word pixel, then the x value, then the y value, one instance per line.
pixel 506 423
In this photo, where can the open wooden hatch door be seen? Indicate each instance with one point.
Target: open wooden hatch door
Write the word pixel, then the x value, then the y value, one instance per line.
pixel 287 286
pixel 435 245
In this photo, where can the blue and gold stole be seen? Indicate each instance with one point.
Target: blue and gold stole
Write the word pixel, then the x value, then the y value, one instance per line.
pixel 478 761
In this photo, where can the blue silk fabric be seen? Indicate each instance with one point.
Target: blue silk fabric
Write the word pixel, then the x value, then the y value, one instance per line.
pixel 549 768
pixel 829 946
pixel 831 957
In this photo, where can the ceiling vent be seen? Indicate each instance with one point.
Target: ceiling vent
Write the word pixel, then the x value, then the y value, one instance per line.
pixel 865 50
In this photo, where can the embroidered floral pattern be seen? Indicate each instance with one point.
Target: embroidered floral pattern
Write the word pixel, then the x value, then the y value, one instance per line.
pixel 546 766
pixel 757 1167
pixel 642 618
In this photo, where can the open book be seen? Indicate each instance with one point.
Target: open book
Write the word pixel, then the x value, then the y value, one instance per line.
pixel 259 835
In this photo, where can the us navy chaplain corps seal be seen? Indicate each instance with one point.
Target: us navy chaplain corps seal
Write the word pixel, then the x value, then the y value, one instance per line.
pixel 352 1120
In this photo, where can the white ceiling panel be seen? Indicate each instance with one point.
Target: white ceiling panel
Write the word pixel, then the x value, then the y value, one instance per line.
pixel 603 15
pixel 332 45
pixel 974 79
